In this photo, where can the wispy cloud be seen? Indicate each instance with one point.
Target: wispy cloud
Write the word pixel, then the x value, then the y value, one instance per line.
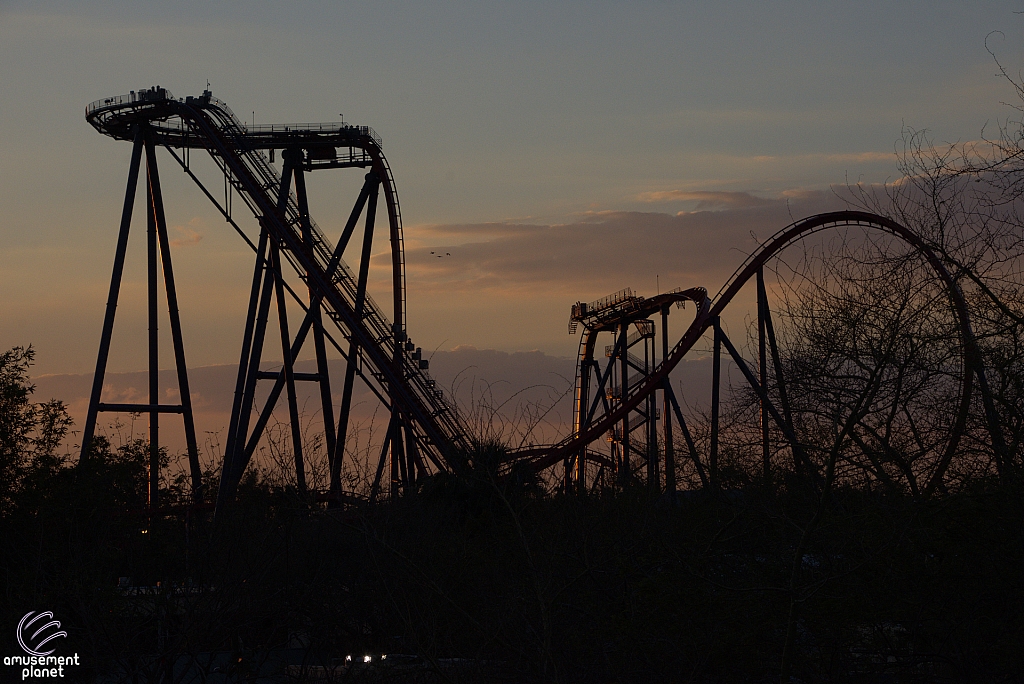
pixel 813 158
pixel 605 250
pixel 187 235
pixel 706 200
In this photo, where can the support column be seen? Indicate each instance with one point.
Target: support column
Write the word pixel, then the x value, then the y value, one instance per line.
pixel 398 454
pixel 412 457
pixel 154 357
pixel 115 288
pixel 780 382
pixel 235 458
pixel 687 437
pixel 653 477
pixel 251 368
pixel 322 371
pixel 353 350
pixel 716 381
pixel 670 458
pixel 300 335
pixel 375 487
pixel 289 369
pixel 184 392
pixel 762 305
pixel 581 458
pixel 235 444
pixel 623 390
pixel 586 364
pixel 157 245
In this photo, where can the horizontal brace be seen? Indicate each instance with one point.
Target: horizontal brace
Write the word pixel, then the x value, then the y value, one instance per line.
pixel 274 375
pixel 140 408
pixel 358 164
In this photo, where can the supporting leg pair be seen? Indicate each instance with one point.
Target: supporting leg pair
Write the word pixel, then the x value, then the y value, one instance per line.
pixel 158 243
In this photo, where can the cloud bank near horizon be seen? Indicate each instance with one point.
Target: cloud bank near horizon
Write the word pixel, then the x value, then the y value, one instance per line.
pixel 604 249
pixel 511 285
pixel 500 285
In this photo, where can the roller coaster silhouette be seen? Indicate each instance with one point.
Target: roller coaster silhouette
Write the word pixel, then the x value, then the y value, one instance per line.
pixel 619 403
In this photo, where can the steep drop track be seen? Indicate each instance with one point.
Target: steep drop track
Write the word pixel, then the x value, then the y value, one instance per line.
pixel 421 415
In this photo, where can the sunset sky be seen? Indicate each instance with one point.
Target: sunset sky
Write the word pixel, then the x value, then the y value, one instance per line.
pixel 559 150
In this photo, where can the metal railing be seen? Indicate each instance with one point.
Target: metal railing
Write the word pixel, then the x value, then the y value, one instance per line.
pixel 142 96
pixel 320 127
pixel 376 322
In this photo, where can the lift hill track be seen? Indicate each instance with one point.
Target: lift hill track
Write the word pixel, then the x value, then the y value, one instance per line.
pixel 385 358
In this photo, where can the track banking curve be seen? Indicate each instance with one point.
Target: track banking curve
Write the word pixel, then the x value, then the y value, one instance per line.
pixel 708 311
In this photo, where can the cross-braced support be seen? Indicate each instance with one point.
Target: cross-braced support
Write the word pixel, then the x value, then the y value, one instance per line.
pixel 424 426
pixel 268 282
pixel 635 447
pixel 158 244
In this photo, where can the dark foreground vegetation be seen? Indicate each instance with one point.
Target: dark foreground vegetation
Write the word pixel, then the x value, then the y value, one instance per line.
pixel 525 588
pixel 470 579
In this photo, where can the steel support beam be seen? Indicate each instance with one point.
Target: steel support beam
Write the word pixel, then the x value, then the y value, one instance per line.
pixel 686 435
pixel 235 457
pixel 653 476
pixel 399 476
pixel 716 390
pixel 625 469
pixel 228 469
pixel 762 365
pixel 289 378
pixel 154 357
pixel 326 404
pixel 670 458
pixel 139 408
pixel 601 385
pixel 757 387
pixel 799 458
pixel 385 447
pixel 304 328
pixel 373 185
pixel 115 288
pixel 158 258
pixel 177 342
pixel 586 365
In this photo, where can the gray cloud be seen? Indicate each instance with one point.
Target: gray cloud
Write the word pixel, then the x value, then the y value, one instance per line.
pixel 707 200
pixel 606 249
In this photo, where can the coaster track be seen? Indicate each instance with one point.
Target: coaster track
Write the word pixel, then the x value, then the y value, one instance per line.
pixel 618 311
pixel 425 430
pixel 385 360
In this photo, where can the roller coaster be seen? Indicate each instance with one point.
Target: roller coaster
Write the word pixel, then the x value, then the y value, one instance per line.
pixel 621 403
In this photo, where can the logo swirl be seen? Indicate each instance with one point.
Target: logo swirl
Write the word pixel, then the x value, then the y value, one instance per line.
pixel 28 623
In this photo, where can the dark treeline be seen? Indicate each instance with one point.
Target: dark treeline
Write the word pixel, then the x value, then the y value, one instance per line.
pixel 602 589
pixel 521 584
